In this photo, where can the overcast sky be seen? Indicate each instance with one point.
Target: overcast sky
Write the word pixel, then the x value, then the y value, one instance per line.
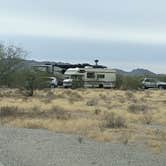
pixel 123 34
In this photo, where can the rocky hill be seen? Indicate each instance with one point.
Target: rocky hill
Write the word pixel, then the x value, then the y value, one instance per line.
pixel 135 72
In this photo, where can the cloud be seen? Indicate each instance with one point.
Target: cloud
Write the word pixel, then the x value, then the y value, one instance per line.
pixel 68 28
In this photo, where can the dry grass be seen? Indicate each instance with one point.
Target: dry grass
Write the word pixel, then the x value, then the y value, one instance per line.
pixel 111 120
pixel 101 114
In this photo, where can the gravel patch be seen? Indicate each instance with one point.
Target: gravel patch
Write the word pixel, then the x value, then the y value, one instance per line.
pixel 26 147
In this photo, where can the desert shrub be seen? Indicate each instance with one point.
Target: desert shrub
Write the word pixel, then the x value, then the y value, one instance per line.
pixel 10 59
pixel 80 139
pixel 59 113
pixel 30 80
pixel 92 102
pixel 71 95
pixel 48 97
pixel 34 112
pixel 128 82
pixel 103 96
pixel 34 125
pixel 129 94
pixel 125 137
pixel 147 118
pixel 137 108
pixel 97 111
pixel 6 92
pixel 6 111
pixel 148 94
pixel 50 94
pixel 112 120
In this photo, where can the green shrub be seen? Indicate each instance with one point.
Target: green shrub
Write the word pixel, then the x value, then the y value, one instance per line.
pixel 128 82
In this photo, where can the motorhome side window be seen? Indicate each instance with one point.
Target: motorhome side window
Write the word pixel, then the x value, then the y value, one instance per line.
pixel 90 75
pixel 101 76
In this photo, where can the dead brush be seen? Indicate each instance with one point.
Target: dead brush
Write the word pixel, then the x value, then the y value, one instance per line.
pixel 71 95
pixel 103 96
pixel 34 112
pixel 121 99
pixel 129 94
pixel 34 125
pixel 92 102
pixel 147 118
pixel 111 120
pixel 148 94
pixel 97 111
pixel 59 113
pixel 50 94
pixel 138 108
pixel 125 137
pixel 6 111
pixel 8 93
pixel 47 97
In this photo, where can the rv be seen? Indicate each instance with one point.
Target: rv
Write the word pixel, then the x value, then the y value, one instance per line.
pixel 90 77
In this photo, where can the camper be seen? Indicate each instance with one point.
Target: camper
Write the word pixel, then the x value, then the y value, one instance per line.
pixel 90 77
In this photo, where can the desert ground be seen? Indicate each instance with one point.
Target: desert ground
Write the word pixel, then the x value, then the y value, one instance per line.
pixel 29 147
pixel 101 115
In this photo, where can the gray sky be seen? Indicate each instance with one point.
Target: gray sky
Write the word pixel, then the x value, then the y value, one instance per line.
pixel 124 34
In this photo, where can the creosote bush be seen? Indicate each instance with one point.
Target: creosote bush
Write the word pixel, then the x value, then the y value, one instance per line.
pixel 125 82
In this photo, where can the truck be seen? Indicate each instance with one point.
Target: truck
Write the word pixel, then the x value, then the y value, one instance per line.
pixel 153 83
pixel 89 77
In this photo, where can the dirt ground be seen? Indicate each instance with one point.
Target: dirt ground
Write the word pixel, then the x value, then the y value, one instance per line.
pixel 105 115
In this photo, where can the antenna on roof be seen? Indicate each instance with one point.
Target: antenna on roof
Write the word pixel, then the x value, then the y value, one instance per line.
pixel 96 62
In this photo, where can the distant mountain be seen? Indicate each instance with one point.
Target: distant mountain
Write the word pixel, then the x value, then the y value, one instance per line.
pixel 135 72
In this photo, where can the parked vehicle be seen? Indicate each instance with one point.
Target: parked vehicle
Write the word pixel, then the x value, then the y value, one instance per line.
pixel 53 83
pixel 90 77
pixel 153 83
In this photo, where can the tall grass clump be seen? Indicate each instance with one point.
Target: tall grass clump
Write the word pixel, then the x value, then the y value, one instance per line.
pixel 59 113
pixel 111 120
pixel 138 108
pixel 6 111
pixel 92 102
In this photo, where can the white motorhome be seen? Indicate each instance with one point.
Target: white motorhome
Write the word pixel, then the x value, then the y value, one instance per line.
pixel 90 77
